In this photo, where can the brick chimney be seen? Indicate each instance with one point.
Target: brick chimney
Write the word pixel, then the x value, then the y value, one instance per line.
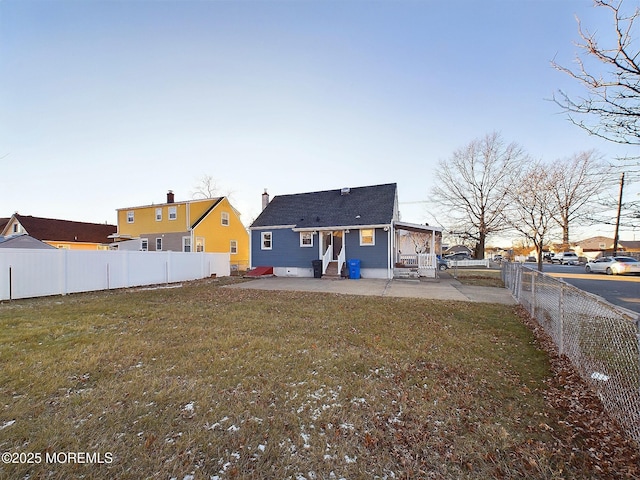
pixel 170 196
pixel 265 199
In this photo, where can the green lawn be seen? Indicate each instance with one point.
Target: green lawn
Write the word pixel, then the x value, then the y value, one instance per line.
pixel 205 382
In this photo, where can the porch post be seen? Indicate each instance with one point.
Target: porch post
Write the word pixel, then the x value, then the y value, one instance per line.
pixel 391 252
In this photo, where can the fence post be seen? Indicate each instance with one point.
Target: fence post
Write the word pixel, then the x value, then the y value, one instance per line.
pixel 10 284
pixel 560 341
pixel 533 294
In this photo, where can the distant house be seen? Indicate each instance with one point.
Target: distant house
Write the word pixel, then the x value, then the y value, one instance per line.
pixel 206 225
pixel 61 233
pixel 23 241
pixel 334 226
pixel 597 246
pixel 631 246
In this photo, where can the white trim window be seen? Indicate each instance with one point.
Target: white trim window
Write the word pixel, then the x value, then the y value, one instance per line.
pixel 130 216
pixel 186 244
pixel 159 244
pixel 173 213
pixel 306 239
pixel 199 244
pixel 266 240
pixel 158 214
pixel 367 237
pixel 224 218
pixel 233 247
pixel 144 244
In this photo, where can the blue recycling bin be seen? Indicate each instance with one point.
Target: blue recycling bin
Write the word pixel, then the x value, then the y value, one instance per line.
pixel 354 268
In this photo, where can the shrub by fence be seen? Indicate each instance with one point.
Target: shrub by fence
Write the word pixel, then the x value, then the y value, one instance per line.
pixel 600 339
pixel 28 273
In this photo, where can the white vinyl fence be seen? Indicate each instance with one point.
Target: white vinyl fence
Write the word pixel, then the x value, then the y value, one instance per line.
pixel 26 273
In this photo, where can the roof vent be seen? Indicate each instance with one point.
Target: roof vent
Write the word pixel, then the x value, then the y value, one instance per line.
pixel 345 191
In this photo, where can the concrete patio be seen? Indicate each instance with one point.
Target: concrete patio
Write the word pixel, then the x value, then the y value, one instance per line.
pixel 444 288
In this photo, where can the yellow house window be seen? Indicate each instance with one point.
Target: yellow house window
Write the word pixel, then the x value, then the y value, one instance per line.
pixel 224 218
pixel 130 216
pixel 233 249
pixel 158 214
pixel 173 213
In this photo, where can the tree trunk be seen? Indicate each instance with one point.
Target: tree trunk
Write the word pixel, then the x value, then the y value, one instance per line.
pixel 540 253
pixel 565 232
pixel 479 250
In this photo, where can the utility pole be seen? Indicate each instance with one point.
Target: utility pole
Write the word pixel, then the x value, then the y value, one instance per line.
pixel 615 237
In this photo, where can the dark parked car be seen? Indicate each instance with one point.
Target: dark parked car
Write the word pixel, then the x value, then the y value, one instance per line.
pixel 458 256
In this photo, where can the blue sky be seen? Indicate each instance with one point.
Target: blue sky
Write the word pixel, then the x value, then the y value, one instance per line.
pixel 106 105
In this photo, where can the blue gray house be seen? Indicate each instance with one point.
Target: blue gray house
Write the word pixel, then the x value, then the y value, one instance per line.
pixel 334 226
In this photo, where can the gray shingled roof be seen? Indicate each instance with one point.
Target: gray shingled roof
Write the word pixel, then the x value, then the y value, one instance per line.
pixel 361 206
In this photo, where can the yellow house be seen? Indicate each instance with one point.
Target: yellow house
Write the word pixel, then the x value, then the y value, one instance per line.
pixel 207 225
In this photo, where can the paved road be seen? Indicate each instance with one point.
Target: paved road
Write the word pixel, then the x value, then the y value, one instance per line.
pixel 622 290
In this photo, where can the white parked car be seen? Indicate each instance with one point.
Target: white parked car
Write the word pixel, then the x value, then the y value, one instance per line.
pixel 565 258
pixel 613 265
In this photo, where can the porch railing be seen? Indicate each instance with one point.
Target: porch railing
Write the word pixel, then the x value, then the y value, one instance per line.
pixel 418 260
pixel 341 259
pixel 427 261
pixel 326 259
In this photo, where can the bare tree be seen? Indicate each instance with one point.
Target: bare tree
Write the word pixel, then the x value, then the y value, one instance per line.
pixel 473 186
pixel 207 187
pixel 611 107
pixel 532 209
pixel 579 180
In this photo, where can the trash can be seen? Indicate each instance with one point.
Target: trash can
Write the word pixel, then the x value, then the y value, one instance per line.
pixel 317 268
pixel 354 268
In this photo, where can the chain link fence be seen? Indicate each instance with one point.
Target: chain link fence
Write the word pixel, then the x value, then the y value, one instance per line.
pixel 601 340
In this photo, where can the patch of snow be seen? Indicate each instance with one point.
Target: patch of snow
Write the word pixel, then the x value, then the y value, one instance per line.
pixel 600 376
pixel 7 424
